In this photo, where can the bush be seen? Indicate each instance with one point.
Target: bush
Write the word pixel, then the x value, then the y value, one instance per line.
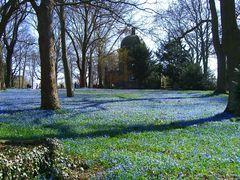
pixel 192 78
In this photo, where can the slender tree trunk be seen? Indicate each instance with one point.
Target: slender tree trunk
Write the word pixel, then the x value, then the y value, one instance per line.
pixel 100 74
pixel 100 68
pixel 24 68
pixel 90 71
pixel 2 84
pixel 83 72
pixel 221 58
pixel 77 54
pixel 19 77
pixel 231 45
pixel 203 52
pixel 67 72
pixel 32 80
pixel 49 92
pixel 57 55
pixel 83 81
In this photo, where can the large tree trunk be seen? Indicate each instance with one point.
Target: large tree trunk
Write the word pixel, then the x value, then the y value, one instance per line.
pixel 221 58
pixel 49 93
pixel 231 45
pixel 67 73
pixel 8 79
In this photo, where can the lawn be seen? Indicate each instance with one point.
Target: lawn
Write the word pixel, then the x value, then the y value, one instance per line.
pixel 132 134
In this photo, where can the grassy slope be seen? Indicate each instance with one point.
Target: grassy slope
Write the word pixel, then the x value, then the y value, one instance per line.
pixel 133 133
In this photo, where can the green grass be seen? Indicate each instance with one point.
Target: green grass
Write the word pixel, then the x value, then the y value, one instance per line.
pixel 206 150
pixel 140 134
pixel 127 95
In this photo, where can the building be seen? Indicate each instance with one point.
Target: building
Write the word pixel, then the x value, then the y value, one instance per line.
pixel 122 76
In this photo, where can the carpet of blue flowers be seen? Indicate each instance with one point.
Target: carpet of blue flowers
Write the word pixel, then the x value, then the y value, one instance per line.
pixel 132 134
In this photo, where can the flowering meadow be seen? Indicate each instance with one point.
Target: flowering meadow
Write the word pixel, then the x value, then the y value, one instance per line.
pixel 132 134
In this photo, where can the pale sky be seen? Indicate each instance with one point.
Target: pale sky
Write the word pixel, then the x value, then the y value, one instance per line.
pixel 163 4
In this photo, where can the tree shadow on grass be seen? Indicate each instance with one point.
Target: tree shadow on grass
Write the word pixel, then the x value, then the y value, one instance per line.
pixel 32 115
pixel 84 105
pixel 88 105
pixel 67 131
pixel 152 127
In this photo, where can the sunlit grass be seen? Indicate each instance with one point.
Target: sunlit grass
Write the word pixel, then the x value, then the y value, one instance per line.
pixel 133 134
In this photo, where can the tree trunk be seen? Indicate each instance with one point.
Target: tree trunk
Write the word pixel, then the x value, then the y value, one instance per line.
pixel 221 58
pixel 231 46
pixel 57 55
pixel 19 77
pixel 24 69
pixel 100 74
pixel 90 71
pixel 49 92
pixel 67 73
pixel 203 53
pixel 77 54
pixel 2 84
pixel 100 68
pixel 83 72
pixel 9 67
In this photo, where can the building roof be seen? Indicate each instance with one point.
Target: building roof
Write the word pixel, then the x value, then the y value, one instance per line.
pixel 130 41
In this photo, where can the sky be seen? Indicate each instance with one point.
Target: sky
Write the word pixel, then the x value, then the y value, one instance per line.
pixel 148 18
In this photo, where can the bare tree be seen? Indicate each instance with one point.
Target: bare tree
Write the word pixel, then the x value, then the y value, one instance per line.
pixel 92 24
pixel 10 40
pixel 7 9
pixel 85 17
pixel 189 20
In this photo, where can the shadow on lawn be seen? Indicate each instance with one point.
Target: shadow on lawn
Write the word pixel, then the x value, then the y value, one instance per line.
pixel 86 104
pixel 67 131
pixel 148 128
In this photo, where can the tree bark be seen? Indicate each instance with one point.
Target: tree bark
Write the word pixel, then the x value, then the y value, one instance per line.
pixel 231 46
pixel 77 54
pixel 9 68
pixel 221 58
pixel 90 70
pixel 100 69
pixel 24 70
pixel 2 84
pixel 83 72
pixel 49 92
pixel 67 73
